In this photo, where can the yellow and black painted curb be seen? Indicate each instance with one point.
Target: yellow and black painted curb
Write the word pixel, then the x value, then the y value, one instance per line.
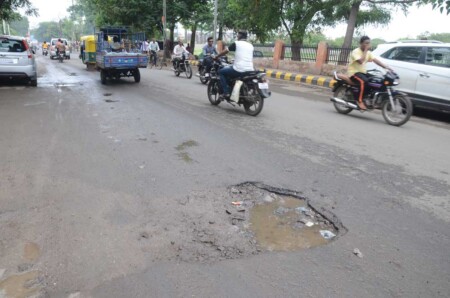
pixel 293 77
pixel 307 79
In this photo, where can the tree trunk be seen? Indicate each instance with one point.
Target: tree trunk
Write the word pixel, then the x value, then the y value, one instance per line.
pixel 168 44
pixel 193 35
pixel 220 33
pixel 296 46
pixel 351 25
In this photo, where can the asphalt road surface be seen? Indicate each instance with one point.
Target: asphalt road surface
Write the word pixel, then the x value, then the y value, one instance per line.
pixel 105 191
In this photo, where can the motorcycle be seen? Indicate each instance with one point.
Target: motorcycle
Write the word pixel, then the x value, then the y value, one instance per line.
pixel 44 52
pixel 395 106
pixel 183 65
pixel 203 75
pixel 249 90
pixel 61 56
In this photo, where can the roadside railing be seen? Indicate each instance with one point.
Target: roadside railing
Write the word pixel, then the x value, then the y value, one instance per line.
pixel 338 56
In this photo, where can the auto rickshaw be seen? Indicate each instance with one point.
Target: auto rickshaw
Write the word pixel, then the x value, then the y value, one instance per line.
pixel 88 51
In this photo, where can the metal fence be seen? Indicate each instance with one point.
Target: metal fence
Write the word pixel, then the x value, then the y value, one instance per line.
pixel 264 50
pixel 306 53
pixel 338 56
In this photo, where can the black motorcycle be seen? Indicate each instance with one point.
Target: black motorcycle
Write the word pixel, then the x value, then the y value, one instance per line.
pixel 215 65
pixel 183 65
pixel 254 88
pixel 61 56
pixel 395 106
pixel 44 52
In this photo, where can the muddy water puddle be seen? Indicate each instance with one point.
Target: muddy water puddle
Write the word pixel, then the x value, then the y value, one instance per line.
pixel 31 251
pixel 281 220
pixel 282 225
pixel 21 285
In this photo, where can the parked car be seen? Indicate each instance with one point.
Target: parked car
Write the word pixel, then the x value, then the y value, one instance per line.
pixel 53 42
pixel 17 61
pixel 424 70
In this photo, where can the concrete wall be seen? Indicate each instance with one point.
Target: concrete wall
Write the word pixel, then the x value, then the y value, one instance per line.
pixel 299 67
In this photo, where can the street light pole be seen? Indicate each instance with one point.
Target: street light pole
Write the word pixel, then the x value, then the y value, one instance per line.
pixel 215 21
pixel 164 19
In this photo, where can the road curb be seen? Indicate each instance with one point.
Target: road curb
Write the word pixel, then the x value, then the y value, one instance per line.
pixel 293 77
pixel 306 79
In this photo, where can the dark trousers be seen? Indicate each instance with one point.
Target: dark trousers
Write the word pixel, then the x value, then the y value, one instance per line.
pixel 226 74
pixel 361 79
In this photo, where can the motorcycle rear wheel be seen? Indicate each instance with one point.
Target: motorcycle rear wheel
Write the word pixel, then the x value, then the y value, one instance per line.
pixel 255 106
pixel 341 93
pixel 397 118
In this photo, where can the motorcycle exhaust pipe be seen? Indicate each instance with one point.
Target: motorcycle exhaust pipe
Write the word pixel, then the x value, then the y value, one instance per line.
pixel 343 102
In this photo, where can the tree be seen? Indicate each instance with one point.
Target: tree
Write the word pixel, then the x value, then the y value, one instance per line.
pixel 8 9
pixel 20 26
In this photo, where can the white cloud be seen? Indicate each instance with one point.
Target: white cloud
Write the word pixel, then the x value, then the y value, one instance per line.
pixel 50 10
pixel 417 21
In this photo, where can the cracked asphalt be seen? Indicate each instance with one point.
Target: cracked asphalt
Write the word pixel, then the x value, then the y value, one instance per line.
pixel 105 191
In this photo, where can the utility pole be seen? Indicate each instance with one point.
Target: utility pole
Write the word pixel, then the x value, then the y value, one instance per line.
pixel 4 27
pixel 215 21
pixel 164 19
pixel 9 30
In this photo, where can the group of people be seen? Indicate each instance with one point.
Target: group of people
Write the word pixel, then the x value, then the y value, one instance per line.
pixel 60 46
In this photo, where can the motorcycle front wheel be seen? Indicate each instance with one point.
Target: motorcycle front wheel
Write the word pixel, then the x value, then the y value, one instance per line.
pixel 203 79
pixel 188 71
pixel 399 115
pixel 342 93
pixel 213 92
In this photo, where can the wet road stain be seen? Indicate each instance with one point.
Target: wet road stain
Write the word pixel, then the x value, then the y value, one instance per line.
pixel 182 154
pixel 287 224
pixel 31 251
pixel 110 100
pixel 186 144
pixel 21 285
pixel 107 94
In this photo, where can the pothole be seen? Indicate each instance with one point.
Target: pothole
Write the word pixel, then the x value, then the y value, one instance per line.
pixel 281 220
pixel 107 94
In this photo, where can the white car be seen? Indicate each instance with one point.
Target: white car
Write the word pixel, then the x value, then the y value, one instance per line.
pixel 53 48
pixel 424 70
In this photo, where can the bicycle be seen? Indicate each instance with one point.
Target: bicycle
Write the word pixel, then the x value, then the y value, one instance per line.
pixel 159 63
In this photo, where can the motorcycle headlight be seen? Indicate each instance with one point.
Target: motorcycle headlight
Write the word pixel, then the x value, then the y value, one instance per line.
pixel 396 83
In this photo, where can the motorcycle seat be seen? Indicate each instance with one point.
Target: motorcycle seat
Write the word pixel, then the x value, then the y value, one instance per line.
pixel 249 75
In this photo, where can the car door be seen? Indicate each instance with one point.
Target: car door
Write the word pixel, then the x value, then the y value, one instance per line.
pixel 433 82
pixel 405 60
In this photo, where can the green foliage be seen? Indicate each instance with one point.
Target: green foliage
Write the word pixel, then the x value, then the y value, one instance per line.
pixel 9 8
pixel 20 26
pixel 442 5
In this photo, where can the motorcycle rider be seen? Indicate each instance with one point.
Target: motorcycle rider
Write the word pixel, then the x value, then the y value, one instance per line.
pixel 179 52
pixel 44 46
pixel 357 67
pixel 208 52
pixel 243 62
pixel 60 47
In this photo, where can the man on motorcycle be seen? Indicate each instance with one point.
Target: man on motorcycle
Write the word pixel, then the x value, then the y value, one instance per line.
pixel 60 47
pixel 45 46
pixel 243 62
pixel 178 54
pixel 208 52
pixel 357 67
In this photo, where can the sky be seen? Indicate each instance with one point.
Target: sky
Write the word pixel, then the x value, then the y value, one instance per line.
pixel 416 22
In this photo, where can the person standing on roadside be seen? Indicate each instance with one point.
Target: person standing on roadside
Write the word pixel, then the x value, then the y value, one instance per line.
pixel 144 47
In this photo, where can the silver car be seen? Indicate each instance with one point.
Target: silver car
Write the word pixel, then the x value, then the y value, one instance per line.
pixel 17 61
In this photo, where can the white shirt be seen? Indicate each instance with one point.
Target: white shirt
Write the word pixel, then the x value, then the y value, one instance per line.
pixel 154 46
pixel 179 50
pixel 145 46
pixel 243 59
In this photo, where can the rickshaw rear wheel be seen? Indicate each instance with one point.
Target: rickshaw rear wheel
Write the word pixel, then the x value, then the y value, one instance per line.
pixel 103 76
pixel 137 75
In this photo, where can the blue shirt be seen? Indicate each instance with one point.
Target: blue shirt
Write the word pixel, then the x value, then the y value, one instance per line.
pixel 207 50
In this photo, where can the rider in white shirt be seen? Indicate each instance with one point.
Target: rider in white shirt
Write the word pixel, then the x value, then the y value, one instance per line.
pixel 153 48
pixel 179 52
pixel 243 62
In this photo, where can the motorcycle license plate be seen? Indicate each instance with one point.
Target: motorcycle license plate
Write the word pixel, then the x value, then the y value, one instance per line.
pixel 263 85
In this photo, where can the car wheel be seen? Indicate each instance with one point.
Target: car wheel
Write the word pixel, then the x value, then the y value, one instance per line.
pixel 33 83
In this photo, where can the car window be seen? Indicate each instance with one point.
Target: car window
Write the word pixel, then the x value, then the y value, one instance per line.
pixel 12 45
pixel 407 54
pixel 438 56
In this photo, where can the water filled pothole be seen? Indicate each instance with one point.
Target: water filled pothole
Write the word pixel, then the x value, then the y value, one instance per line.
pixel 281 220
